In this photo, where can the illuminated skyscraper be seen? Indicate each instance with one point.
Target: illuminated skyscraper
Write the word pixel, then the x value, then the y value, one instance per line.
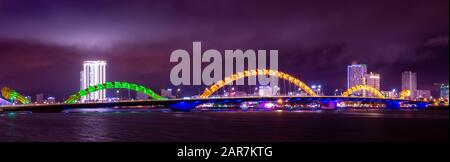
pixel 409 81
pixel 355 75
pixel 318 89
pixel 444 91
pixel 373 80
pixel 422 93
pixel 94 72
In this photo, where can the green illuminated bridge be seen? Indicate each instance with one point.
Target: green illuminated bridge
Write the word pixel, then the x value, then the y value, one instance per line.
pixel 114 85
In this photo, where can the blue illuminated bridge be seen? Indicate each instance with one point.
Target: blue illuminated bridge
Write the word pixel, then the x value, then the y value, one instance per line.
pixel 207 99
pixel 323 102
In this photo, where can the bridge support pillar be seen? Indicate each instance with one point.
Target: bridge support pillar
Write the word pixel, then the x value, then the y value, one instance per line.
pixel 184 106
pixel 421 105
pixel 328 105
pixel 393 104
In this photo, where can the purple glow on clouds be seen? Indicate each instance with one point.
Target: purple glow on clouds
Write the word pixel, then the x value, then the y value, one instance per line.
pixel 315 39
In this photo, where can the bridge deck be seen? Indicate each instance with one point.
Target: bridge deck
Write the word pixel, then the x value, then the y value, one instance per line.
pixel 194 101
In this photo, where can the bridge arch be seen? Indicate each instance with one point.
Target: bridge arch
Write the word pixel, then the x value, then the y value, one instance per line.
pixel 113 85
pixel 367 88
pixel 11 94
pixel 248 73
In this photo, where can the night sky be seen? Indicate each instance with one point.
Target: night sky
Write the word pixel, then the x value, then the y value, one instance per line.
pixel 43 42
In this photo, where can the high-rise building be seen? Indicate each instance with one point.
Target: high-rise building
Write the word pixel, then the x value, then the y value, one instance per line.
pixel 167 93
pixel 355 75
pixel 373 80
pixel 94 72
pixel 40 98
pixel 422 94
pixel 409 82
pixel 444 91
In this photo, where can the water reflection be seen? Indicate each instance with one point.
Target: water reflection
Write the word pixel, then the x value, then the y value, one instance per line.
pixel 92 127
pixel 166 125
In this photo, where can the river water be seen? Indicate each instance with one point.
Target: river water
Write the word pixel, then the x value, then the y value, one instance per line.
pixel 220 126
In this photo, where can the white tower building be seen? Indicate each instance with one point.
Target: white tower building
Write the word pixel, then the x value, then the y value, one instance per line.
pixel 373 80
pixel 355 75
pixel 94 72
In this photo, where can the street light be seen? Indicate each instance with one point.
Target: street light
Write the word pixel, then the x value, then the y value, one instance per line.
pixel 178 91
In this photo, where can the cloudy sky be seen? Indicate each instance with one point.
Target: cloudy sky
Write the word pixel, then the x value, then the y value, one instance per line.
pixel 43 42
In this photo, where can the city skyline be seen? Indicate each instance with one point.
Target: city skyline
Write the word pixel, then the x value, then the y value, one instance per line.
pixel 93 74
pixel 364 76
pixel 137 39
pixel 242 78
